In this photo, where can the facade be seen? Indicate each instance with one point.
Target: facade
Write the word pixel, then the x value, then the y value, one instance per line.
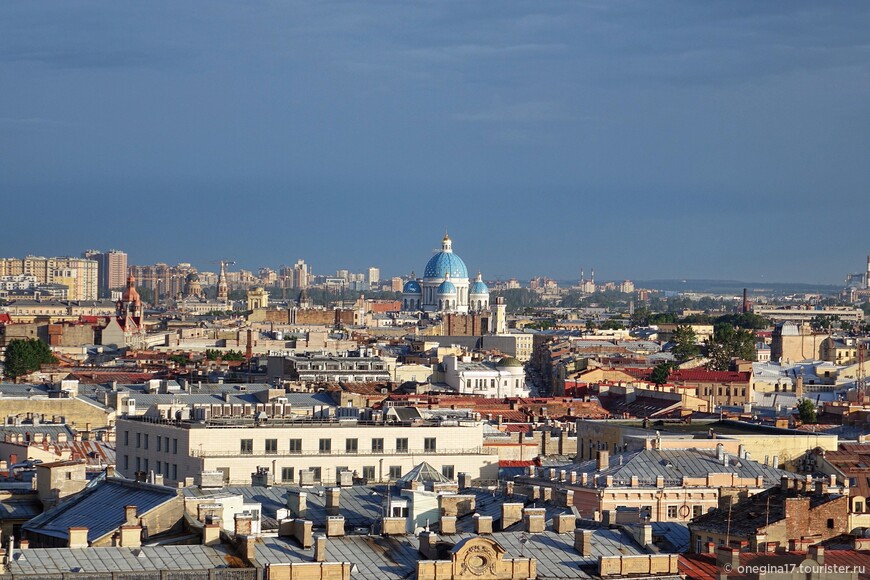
pixel 112 267
pixel 445 286
pixel 81 276
pixel 503 378
pixel 795 342
pixel 304 452
pixel 319 368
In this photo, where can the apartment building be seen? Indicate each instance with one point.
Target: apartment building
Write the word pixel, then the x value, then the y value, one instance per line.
pixel 299 452
pixel 80 275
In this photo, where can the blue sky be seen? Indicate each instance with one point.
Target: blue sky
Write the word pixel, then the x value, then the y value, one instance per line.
pixel 645 139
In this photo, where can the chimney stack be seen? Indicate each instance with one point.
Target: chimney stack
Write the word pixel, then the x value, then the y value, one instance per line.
pixel 603 459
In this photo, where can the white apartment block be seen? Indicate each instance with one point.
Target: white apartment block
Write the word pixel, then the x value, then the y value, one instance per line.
pixel 299 452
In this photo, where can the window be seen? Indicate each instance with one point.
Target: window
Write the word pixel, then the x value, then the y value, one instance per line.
pixel 145 446
pixel 271 446
pixel 698 545
pixel 159 443
pixel 369 472
pixel 399 511
pixel 377 445
pixel 159 467
pixel 672 511
pixel 429 444
pixel 697 511
pixel 447 471
pixel 246 446
pixel 351 445
pixel 395 471
pixel 175 471
pixel 138 440
pixel 175 446
pixel 126 462
pixel 402 445
pixel 138 464
pixel 326 446
pixel 145 465
pixel 830 523
pixel 288 474
pixel 296 446
pixel 126 438
pixel 316 471
pixel 859 506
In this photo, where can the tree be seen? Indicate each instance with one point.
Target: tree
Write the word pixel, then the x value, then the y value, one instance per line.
pixel 23 356
pixel 685 343
pixel 660 373
pixel 730 343
pixel 806 411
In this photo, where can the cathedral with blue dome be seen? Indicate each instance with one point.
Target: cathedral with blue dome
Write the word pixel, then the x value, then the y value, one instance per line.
pixel 445 287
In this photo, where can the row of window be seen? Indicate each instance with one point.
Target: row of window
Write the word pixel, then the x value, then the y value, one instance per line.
pixel 288 474
pixel 168 470
pixel 164 444
pixel 246 446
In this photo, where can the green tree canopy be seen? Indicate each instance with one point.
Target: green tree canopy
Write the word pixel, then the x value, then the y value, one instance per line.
pixel 661 372
pixel 730 343
pixel 685 343
pixel 23 356
pixel 806 411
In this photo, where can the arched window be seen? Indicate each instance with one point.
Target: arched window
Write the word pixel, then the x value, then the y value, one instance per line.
pixel 440 305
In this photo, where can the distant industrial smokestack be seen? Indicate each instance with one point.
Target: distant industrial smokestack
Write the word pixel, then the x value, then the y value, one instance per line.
pixel 745 307
pixel 867 275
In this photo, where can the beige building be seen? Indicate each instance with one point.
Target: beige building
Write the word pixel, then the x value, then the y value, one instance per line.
pixel 80 275
pixel 304 452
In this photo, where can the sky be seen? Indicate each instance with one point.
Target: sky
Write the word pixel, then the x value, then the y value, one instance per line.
pixel 721 140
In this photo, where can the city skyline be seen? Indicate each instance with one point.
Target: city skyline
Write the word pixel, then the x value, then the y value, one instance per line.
pixel 652 141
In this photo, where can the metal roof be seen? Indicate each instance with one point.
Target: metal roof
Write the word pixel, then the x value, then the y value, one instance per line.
pixel 147 558
pixel 100 509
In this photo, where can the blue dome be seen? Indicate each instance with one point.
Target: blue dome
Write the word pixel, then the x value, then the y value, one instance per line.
pixel 412 287
pixel 478 288
pixel 446 287
pixel 443 263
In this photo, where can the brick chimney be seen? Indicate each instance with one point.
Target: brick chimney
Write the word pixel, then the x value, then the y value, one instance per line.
pixel 78 538
pixel 333 501
pixel 482 524
pixel 131 536
pixel 535 519
pixel 603 459
pixel 211 534
pixel 583 542
pixel 320 548
pixel 817 553
pixel 511 513
pixel 130 518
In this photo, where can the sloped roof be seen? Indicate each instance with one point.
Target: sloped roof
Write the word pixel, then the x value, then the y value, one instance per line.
pixel 100 508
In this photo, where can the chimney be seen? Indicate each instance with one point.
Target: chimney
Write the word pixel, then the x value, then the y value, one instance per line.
pixel 130 518
pixel 131 536
pixel 333 501
pixel 741 451
pixel 464 480
pixel 720 452
pixel 297 503
pixel 78 538
pixel 448 524
pixel 320 548
pixel 482 524
pixel 784 482
pixel 817 553
pixel 243 524
pixel 775 462
pixel 511 513
pixel 603 459
pixel 564 523
pixel 727 556
pixel 334 526
pixel 534 520
pixel 211 534
pixel 583 542
pixel 24 544
pixel 429 545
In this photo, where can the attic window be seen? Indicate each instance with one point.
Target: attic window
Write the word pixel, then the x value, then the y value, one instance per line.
pixel 830 523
